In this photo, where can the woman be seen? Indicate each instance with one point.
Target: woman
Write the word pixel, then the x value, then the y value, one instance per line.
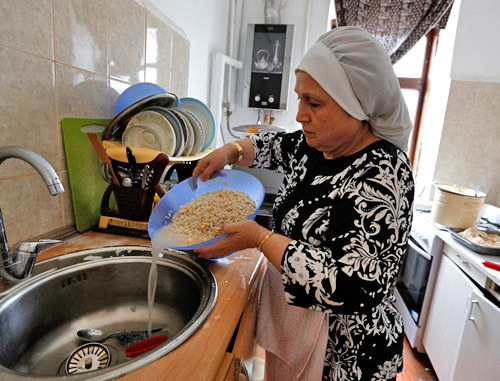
pixel 342 215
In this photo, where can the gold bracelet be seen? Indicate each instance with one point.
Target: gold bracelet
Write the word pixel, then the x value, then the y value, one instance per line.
pixel 240 152
pixel 264 240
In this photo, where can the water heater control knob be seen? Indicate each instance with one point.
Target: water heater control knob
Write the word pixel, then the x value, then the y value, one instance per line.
pixel 257 98
pixel 271 99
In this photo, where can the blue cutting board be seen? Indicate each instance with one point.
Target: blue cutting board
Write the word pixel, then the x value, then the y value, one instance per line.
pixel 84 171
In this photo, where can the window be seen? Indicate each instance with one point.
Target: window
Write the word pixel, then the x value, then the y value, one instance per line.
pixel 413 74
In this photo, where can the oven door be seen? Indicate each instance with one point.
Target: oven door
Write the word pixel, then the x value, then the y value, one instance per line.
pixel 412 280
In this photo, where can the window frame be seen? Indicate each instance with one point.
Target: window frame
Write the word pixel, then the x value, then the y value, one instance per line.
pixel 420 84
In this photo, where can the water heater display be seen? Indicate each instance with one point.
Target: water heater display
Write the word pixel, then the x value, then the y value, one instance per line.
pixel 267 66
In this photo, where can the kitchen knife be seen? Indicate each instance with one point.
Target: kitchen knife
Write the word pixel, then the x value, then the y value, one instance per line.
pixel 133 165
pixel 145 175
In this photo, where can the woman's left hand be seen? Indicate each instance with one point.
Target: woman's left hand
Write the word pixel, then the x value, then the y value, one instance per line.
pixel 240 235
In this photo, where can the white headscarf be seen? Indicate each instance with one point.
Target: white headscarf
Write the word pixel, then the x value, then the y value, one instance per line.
pixel 356 71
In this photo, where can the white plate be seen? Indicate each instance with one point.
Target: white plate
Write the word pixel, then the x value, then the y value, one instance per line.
pixel 157 123
pixel 204 114
pixel 174 122
pixel 199 132
pixel 188 132
pixel 141 136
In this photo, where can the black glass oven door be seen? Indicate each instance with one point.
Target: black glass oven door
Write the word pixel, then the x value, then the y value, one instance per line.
pixel 412 280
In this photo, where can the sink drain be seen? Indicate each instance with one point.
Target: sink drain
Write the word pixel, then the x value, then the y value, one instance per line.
pixel 88 357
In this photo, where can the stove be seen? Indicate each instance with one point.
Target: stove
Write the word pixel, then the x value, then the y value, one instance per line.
pixel 416 280
pixel 423 231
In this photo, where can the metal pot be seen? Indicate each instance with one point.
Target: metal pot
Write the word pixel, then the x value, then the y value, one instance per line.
pixel 455 206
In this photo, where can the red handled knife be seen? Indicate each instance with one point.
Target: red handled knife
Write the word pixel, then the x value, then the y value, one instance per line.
pixel 492 265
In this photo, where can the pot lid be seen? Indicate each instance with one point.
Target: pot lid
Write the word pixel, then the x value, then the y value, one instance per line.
pixel 458 189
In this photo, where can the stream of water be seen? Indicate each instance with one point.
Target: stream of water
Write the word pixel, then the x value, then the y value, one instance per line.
pixel 161 239
pixel 152 282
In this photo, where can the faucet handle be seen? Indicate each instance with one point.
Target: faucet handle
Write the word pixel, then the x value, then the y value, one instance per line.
pixel 34 247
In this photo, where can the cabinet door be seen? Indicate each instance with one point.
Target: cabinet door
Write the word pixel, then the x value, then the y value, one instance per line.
pixel 445 324
pixel 479 355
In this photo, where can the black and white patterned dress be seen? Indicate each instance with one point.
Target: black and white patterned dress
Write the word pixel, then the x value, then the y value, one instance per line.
pixel 350 221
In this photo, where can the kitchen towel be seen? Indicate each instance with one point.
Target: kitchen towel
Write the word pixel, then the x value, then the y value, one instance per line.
pixel 294 338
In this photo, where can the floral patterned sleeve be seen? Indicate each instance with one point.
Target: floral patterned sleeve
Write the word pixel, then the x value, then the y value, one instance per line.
pixel 274 150
pixel 350 232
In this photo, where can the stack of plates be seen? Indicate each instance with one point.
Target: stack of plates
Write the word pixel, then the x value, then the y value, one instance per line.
pixel 205 117
pixel 177 131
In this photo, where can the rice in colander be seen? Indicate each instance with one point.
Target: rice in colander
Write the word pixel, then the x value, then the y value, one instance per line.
pixel 201 219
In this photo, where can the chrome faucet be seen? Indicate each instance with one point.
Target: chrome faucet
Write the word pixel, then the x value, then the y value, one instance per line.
pixel 19 266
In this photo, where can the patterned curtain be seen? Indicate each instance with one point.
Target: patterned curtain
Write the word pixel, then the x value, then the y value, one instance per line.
pixel 397 24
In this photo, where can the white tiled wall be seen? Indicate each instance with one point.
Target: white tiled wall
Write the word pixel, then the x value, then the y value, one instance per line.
pixel 70 58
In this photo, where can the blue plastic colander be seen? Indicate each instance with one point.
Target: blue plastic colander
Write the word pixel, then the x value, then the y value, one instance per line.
pixel 192 187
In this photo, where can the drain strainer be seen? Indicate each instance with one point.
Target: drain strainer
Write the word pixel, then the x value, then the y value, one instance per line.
pixel 88 357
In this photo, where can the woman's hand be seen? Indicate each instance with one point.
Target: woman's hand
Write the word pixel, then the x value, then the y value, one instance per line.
pixel 214 161
pixel 227 154
pixel 240 235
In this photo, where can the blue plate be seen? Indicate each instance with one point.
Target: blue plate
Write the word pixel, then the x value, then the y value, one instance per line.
pixel 190 188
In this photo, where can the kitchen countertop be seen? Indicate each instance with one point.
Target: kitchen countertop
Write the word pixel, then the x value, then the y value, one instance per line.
pixel 201 355
pixel 490 278
pixel 474 258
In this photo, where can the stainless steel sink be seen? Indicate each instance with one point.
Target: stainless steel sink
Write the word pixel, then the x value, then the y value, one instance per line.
pixel 102 288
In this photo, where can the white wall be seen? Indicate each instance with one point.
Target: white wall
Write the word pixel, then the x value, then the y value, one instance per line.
pixel 311 20
pixel 205 24
pixel 468 150
pixel 476 56
pixel 460 122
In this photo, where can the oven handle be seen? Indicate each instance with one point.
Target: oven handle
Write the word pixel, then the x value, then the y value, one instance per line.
pixel 419 250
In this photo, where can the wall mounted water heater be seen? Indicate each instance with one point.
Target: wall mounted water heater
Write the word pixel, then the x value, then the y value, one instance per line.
pixel 267 66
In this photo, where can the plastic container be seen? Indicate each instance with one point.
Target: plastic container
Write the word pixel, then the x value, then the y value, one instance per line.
pixel 455 206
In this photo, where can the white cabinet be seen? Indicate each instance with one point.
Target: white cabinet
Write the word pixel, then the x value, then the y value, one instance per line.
pixel 446 320
pixel 462 338
pixel 479 355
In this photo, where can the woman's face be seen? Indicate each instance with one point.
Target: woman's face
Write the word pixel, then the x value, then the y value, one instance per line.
pixel 327 127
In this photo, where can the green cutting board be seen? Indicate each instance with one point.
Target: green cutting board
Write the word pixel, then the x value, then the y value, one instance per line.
pixel 84 170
